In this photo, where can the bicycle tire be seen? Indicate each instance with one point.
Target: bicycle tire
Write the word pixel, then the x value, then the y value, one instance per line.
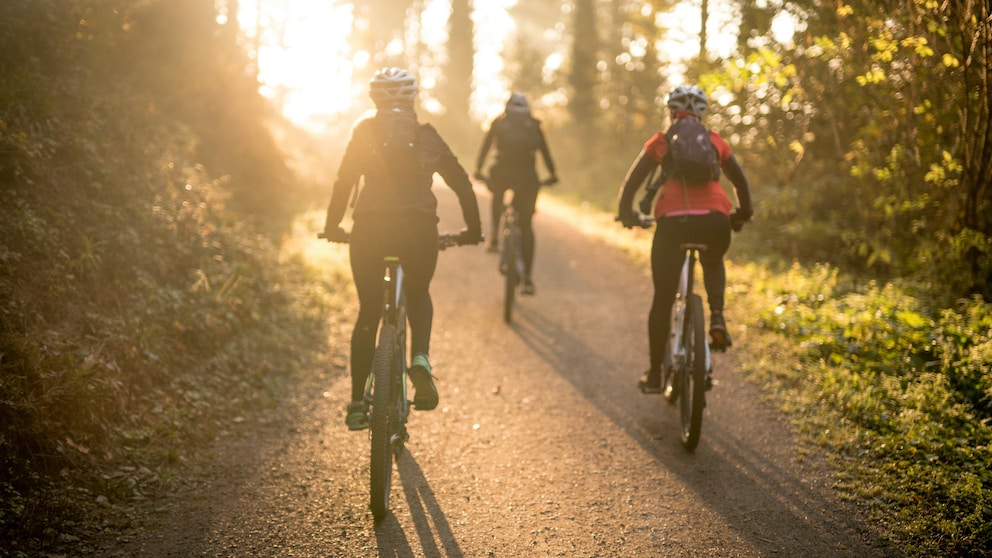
pixel 669 374
pixel 381 461
pixel 693 377
pixel 509 293
pixel 510 276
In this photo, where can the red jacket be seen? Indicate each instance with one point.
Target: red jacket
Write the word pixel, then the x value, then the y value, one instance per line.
pixel 675 196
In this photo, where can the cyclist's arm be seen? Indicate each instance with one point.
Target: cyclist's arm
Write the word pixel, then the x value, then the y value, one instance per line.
pixel 457 179
pixel 348 175
pixel 487 143
pixel 638 172
pixel 736 176
pixel 546 153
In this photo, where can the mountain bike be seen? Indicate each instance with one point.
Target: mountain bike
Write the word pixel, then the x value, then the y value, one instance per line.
pixel 386 386
pixel 511 255
pixel 687 365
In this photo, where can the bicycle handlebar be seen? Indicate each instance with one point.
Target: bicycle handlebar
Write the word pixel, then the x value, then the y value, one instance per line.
pixel 550 181
pixel 444 240
pixel 736 221
pixel 645 221
pixel 345 240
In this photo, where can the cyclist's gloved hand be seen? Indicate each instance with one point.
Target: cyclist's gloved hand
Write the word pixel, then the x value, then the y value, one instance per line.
pixel 629 219
pixel 738 218
pixel 471 235
pixel 552 180
pixel 645 204
pixel 334 233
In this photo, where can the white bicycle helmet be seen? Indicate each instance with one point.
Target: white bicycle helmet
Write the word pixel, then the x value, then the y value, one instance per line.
pixel 392 87
pixel 688 98
pixel 518 104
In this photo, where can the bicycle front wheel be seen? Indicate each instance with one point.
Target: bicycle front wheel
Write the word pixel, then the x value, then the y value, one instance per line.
pixel 693 375
pixel 381 463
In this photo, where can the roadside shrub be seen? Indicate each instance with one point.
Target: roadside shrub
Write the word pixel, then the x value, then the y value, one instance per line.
pixel 902 397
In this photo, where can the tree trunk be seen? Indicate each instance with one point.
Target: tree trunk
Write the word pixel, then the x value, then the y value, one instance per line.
pixel 583 73
pixel 461 51
pixel 704 16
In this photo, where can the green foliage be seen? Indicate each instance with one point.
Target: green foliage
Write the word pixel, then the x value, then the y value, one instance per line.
pixel 900 396
pixel 869 144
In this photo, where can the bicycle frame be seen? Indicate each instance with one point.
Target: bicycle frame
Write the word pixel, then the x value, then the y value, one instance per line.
pixel 686 285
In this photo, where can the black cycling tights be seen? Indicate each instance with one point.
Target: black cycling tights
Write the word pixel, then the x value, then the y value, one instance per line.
pixel 712 229
pixel 414 239
pixel 525 202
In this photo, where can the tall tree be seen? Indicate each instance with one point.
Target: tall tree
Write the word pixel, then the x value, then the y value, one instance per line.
pixel 631 85
pixel 583 76
pixel 461 51
pixel 380 24
pixel 704 17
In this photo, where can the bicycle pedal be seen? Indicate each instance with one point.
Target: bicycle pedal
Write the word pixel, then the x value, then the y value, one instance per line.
pixel 710 383
pixel 718 348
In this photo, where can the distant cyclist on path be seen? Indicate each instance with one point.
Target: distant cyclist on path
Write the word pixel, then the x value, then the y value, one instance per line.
pixel 517 136
pixel 685 213
pixel 395 215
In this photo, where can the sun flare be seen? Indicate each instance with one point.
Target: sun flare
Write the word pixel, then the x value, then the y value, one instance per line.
pixel 304 60
pixel 307 63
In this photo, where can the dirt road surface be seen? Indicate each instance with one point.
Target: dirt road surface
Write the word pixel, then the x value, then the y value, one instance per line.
pixel 542 445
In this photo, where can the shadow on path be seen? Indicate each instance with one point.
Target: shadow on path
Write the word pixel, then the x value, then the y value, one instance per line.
pixel 729 457
pixel 433 531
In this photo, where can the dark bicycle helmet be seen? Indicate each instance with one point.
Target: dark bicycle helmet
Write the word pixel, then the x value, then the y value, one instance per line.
pixel 688 98
pixel 393 86
pixel 518 104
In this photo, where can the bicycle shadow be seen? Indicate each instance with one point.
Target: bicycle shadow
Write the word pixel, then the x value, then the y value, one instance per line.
pixel 725 459
pixel 425 512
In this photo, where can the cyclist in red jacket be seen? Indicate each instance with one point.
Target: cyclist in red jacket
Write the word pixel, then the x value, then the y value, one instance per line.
pixel 685 214
pixel 395 215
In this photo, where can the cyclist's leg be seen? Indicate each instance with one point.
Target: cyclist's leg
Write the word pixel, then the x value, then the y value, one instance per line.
pixel 419 256
pixel 525 202
pixel 714 231
pixel 666 265
pixel 496 211
pixel 367 252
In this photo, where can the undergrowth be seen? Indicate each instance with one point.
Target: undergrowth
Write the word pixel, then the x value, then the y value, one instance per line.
pixel 898 393
pixel 140 317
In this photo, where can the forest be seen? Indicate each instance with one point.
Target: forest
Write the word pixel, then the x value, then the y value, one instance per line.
pixel 147 187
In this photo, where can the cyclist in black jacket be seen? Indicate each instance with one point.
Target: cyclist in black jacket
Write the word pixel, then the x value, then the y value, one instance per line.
pixel 518 137
pixel 395 215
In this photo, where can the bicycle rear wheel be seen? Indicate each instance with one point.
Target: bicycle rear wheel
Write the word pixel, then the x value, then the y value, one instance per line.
pixel 693 375
pixel 381 463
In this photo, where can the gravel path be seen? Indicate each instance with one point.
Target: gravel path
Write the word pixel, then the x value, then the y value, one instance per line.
pixel 542 445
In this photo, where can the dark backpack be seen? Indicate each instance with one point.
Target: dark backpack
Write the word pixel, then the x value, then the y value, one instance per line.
pixel 397 141
pixel 691 155
pixel 517 137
